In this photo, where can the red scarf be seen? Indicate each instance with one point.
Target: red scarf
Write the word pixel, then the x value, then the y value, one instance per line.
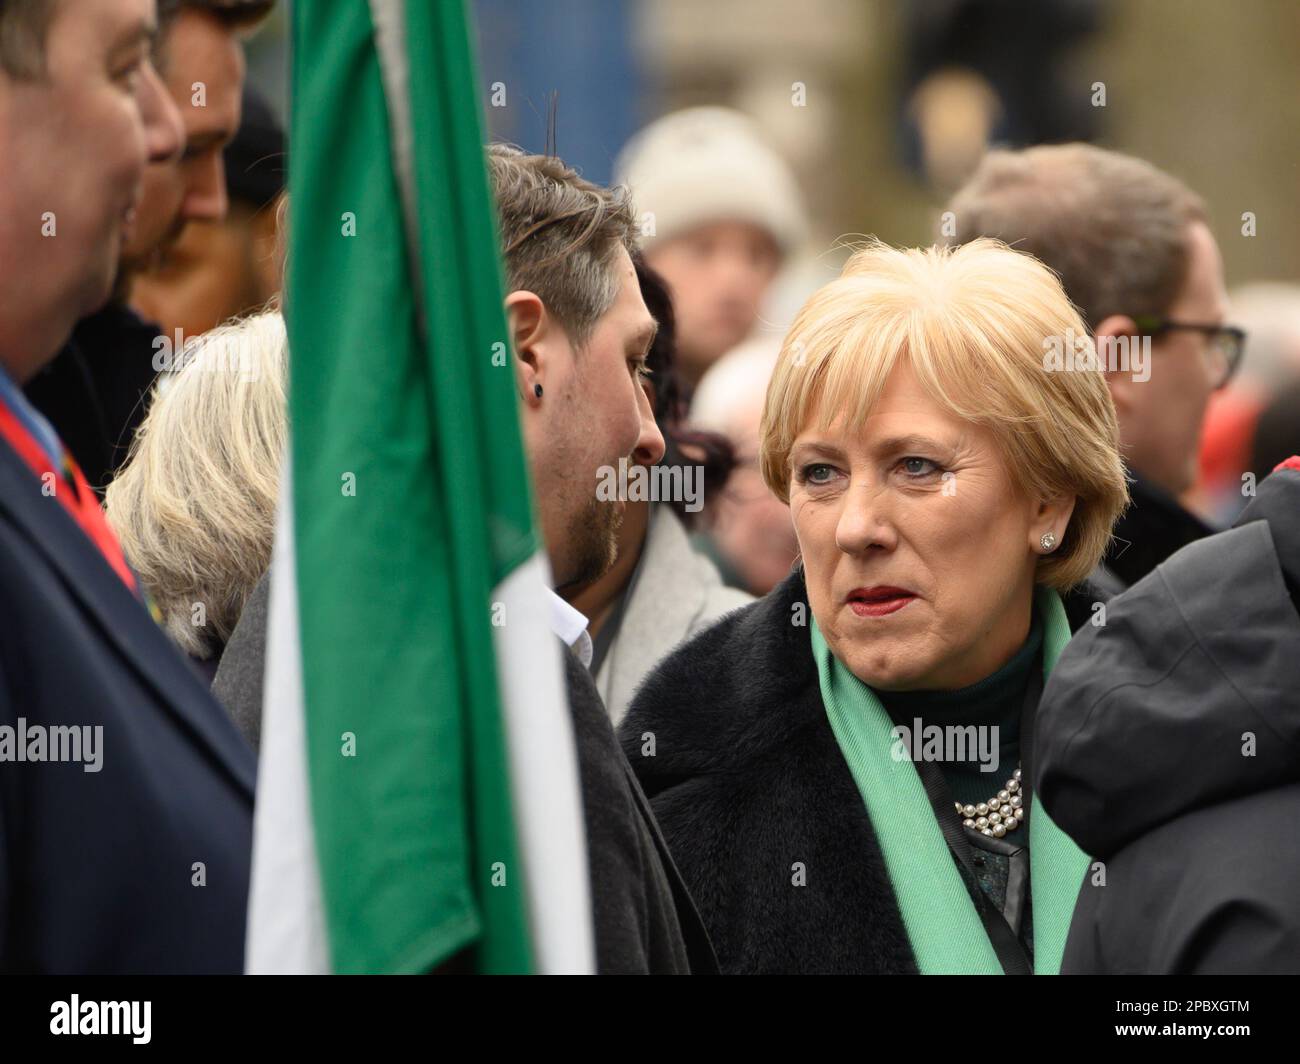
pixel 71 489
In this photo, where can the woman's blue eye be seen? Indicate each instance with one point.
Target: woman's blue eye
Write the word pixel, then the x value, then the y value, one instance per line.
pixel 919 467
pixel 810 472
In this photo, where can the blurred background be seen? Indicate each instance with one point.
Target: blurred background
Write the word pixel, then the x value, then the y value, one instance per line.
pixel 881 108
pixel 1207 90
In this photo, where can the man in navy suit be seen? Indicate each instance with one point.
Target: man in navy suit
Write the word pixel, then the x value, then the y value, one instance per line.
pixel 125 792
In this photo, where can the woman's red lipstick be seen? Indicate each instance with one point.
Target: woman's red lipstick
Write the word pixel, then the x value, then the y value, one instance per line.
pixel 878 601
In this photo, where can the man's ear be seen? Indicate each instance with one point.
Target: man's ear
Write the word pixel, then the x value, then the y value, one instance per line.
pixel 529 323
pixel 1120 382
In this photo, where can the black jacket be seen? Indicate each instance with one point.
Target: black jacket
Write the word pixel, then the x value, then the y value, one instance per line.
pixel 97 869
pixel 1143 755
pixel 753 794
pixel 96 390
pixel 1154 526
pixel 645 921
pixel 644 918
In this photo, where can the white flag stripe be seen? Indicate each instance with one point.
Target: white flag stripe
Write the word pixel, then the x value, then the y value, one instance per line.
pixel 547 800
pixel 286 921
pixel 287 934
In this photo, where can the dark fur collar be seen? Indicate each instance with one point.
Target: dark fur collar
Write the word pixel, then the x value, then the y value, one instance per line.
pixel 733 690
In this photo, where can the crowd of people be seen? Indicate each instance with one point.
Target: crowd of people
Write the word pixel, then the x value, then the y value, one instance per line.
pixel 945 675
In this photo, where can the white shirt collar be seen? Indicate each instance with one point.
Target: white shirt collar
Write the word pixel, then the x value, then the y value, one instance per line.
pixel 571 626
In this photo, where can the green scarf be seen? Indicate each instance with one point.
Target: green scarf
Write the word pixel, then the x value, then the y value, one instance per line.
pixel 945 930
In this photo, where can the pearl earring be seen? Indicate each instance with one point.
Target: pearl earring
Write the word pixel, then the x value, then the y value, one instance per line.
pixel 1048 541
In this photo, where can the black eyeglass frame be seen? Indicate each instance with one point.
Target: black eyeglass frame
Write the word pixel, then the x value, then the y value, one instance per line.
pixel 1154 325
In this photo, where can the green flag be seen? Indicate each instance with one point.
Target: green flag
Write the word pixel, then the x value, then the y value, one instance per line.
pixel 418 792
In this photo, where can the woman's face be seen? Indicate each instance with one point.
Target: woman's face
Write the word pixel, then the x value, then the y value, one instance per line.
pixel 918 547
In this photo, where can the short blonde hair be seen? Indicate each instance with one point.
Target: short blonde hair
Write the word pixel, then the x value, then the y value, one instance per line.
pixel 194 506
pixel 974 323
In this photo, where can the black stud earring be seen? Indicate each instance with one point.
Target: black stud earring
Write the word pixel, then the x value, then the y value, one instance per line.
pixel 537 390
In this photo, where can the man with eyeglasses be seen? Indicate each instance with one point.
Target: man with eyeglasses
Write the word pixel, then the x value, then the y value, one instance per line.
pixel 1135 253
pixel 1165 738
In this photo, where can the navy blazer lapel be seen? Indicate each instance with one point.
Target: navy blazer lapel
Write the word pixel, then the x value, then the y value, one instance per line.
pixel 120 616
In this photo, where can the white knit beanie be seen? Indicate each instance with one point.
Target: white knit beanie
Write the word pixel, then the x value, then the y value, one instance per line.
pixel 710 164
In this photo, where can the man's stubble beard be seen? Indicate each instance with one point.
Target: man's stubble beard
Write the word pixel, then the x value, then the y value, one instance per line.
pixel 594 535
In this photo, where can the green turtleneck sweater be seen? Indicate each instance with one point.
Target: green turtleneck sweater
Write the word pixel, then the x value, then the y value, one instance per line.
pixel 994 702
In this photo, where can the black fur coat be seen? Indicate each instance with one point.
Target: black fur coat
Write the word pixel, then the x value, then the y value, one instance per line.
pixel 757 803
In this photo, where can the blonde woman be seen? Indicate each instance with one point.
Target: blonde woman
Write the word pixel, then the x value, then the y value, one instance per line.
pixel 838 767
pixel 194 506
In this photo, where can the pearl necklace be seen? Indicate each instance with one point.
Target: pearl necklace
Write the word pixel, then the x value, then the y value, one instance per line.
pixel 1000 814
